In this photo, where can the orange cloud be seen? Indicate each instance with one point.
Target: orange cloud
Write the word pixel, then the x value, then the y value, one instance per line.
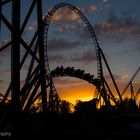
pixel 64 14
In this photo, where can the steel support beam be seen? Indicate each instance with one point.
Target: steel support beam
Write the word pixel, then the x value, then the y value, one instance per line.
pixel 15 70
pixel 15 56
pixel 41 56
pixel 116 87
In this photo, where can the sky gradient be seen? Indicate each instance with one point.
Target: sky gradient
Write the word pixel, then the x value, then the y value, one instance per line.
pixel 117 27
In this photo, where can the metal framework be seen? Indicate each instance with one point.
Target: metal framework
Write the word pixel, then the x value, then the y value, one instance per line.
pixel 99 53
pixel 39 77
pixel 130 82
pixel 17 29
pixel 81 74
pixel 76 73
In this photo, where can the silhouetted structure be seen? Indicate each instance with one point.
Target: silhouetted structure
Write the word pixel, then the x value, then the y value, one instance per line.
pixel 21 116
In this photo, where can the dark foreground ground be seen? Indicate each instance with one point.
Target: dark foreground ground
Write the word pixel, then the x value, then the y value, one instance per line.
pixel 52 126
pixel 83 124
pixel 84 135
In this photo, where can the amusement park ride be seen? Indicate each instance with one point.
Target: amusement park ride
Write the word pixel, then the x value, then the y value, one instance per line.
pixel 39 78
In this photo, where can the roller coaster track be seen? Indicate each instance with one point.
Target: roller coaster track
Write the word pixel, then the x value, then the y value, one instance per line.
pixel 71 72
pixel 76 73
pixel 99 53
pixel 47 21
pixel 33 80
pixel 81 74
pixel 39 77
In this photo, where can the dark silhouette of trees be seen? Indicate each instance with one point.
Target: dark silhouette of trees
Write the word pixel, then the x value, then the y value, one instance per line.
pixel 66 107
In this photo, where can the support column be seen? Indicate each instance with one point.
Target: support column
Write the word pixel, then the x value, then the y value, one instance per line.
pixel 15 70
pixel 41 56
pixel 15 56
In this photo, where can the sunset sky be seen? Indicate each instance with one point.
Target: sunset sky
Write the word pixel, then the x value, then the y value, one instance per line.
pixel 117 27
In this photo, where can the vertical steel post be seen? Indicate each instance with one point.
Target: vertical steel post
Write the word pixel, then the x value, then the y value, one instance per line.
pixel 41 55
pixel 15 56
pixel 15 69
